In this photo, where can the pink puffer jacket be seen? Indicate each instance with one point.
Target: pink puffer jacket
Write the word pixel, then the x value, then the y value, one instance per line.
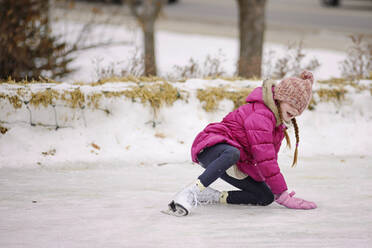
pixel 254 130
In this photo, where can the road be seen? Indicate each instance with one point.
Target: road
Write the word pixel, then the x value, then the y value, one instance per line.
pixel 287 20
pixel 281 14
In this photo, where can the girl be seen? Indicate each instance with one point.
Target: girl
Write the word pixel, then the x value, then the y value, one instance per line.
pixel 243 149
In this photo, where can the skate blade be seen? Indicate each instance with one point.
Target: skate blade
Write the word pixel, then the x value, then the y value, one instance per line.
pixel 175 209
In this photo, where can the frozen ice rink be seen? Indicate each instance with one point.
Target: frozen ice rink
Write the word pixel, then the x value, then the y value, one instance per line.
pixel 119 206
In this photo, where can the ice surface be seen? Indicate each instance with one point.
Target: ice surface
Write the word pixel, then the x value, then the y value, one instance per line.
pixel 119 206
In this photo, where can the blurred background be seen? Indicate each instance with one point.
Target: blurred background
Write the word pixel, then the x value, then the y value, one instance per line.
pixel 55 35
pixel 321 23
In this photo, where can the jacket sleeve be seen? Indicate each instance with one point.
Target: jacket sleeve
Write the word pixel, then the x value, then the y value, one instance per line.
pixel 259 128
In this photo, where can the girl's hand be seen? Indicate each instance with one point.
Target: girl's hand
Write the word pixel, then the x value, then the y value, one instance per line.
pixel 289 201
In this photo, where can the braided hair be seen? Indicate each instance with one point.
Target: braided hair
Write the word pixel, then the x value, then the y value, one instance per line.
pixel 294 122
pixel 288 140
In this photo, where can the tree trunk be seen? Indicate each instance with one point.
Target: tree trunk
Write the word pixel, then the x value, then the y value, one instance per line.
pixel 147 18
pixel 251 32
pixel 150 62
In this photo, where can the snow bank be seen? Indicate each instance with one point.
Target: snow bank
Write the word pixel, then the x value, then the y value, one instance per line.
pixel 132 135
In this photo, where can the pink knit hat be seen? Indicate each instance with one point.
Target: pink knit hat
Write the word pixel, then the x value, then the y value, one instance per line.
pixel 295 91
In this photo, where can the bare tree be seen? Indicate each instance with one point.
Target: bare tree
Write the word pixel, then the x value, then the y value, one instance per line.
pixel 27 47
pixel 251 30
pixel 146 13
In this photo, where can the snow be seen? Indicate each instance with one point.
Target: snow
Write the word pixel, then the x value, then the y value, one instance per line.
pixel 174 49
pixel 127 134
pixel 111 196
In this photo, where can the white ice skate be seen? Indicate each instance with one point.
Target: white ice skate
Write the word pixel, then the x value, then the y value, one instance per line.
pixel 209 196
pixel 190 197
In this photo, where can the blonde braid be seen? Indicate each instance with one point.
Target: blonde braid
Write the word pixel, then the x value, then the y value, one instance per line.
pixel 287 139
pixel 294 122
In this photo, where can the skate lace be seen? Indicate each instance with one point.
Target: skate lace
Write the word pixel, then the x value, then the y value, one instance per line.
pixel 207 202
pixel 201 203
pixel 195 201
pixel 207 198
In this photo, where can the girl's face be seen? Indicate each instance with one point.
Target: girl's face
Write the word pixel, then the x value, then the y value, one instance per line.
pixel 288 112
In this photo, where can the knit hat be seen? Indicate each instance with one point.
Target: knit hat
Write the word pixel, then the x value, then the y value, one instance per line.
pixel 295 91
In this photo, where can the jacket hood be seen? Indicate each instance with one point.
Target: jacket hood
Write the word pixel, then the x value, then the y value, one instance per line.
pixel 255 96
pixel 265 95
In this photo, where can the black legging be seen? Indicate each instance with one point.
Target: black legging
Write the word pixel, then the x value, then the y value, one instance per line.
pixel 216 160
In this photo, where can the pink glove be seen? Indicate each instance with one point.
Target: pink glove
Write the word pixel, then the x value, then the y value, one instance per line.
pixel 289 201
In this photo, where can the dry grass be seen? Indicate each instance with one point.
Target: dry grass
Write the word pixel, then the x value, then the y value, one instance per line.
pixel 336 92
pixel 130 78
pixel 211 96
pixel 15 100
pixel 44 98
pixel 312 104
pixel 343 82
pixel 73 98
pixel 94 99
pixel 290 64
pixel 211 67
pixel 358 64
pixel 336 82
pixel 233 78
pixel 133 67
pixel 332 95
pixel 156 93
pixel 24 82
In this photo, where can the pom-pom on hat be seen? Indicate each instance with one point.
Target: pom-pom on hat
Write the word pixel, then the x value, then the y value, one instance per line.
pixel 295 91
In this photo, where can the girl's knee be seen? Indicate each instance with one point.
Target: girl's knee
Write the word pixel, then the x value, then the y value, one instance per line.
pixel 266 199
pixel 233 154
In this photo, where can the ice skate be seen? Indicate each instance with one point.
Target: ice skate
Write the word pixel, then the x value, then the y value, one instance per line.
pixel 175 209
pixel 209 196
pixel 190 197
pixel 185 200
